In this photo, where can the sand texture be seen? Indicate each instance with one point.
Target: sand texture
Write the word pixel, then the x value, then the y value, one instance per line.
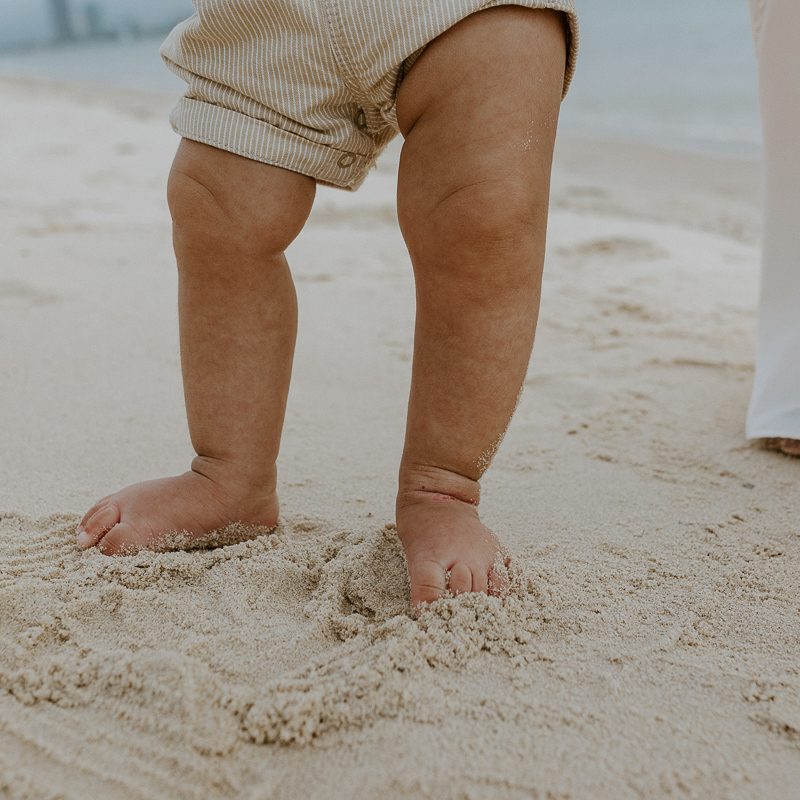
pixel 653 646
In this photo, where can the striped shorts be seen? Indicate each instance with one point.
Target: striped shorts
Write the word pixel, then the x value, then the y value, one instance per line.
pixel 309 85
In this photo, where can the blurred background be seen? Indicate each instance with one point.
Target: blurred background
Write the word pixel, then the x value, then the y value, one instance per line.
pixel 678 74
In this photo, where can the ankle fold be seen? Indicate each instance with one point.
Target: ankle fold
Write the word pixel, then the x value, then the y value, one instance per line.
pixel 419 479
pixel 229 473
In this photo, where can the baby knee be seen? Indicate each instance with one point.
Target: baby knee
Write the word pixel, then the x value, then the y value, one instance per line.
pixel 484 218
pixel 217 197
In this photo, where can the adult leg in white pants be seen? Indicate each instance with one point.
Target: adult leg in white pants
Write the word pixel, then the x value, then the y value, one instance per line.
pixel 774 413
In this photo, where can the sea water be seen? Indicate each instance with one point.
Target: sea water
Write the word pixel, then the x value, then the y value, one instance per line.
pixel 680 74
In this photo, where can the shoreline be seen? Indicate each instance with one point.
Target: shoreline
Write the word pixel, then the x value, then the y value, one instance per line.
pixel 148 101
pixel 109 94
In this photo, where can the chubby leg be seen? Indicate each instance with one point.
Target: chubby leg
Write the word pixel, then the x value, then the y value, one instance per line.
pixel 478 112
pixel 233 218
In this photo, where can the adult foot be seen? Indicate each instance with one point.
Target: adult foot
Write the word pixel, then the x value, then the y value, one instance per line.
pixel 178 513
pixel 447 547
pixel 789 447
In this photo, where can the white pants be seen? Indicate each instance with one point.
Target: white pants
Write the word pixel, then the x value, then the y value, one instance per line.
pixel 775 404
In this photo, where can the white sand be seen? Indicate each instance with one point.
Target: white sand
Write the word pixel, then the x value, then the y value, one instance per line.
pixel 657 651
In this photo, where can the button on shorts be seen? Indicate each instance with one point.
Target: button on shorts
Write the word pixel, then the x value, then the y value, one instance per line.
pixel 309 85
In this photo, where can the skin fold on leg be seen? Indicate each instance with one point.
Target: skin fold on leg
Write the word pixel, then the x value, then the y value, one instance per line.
pixel 233 218
pixel 478 112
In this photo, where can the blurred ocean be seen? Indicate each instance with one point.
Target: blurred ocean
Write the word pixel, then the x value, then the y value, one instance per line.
pixel 679 74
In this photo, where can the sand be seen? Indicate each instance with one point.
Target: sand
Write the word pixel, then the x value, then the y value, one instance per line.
pixel 653 649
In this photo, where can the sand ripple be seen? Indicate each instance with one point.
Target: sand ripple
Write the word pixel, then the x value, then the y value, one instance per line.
pixel 133 633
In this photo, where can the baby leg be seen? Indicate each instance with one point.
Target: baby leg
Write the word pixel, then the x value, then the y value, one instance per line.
pixel 478 112
pixel 233 218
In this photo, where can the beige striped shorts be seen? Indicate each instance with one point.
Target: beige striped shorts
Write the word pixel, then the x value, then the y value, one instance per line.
pixel 309 85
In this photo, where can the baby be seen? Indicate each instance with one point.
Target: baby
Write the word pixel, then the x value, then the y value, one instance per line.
pixel 288 93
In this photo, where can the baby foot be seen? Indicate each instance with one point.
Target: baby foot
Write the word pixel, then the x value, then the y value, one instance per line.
pixel 175 514
pixel 789 447
pixel 447 547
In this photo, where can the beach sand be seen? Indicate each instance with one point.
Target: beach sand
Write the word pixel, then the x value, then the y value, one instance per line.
pixel 655 649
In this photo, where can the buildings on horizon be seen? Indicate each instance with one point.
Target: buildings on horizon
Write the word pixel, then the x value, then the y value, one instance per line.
pixel 86 21
pixel 69 21
pixel 63 28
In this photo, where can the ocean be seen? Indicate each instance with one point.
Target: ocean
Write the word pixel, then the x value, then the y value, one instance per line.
pixel 680 74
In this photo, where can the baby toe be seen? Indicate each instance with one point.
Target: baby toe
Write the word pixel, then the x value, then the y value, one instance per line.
pixel 121 540
pixel 90 513
pixel 480 580
pixel 497 583
pixel 428 582
pixel 460 578
pixel 791 447
pixel 98 524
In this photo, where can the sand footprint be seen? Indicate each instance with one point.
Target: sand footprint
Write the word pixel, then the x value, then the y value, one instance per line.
pixel 617 247
pixel 388 663
pixel 31 548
